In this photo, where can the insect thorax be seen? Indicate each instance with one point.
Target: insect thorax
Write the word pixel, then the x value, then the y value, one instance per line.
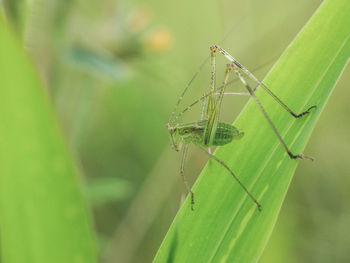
pixel 194 132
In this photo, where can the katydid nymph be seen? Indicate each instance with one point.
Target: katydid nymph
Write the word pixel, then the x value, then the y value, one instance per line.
pixel 209 131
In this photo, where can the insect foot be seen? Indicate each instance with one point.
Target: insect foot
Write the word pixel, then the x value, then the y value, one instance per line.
pixel 305 112
pixel 259 207
pixel 192 201
pixel 300 156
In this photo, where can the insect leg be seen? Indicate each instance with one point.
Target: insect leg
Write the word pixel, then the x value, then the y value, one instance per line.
pixel 208 108
pixel 204 97
pixel 251 91
pixel 214 104
pixel 236 93
pixel 251 76
pixel 222 91
pixel 183 175
pixel 233 175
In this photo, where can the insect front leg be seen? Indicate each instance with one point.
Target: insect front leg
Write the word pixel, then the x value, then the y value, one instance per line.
pixel 182 173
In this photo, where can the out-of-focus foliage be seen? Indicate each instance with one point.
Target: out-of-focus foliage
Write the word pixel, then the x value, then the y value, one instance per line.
pixel 41 202
pixel 114 70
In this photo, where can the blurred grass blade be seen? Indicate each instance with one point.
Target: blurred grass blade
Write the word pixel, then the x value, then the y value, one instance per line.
pixel 104 190
pixel 226 226
pixel 43 215
pixel 17 12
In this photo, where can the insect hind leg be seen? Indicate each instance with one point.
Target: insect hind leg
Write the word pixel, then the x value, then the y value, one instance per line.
pixel 252 93
pixel 238 65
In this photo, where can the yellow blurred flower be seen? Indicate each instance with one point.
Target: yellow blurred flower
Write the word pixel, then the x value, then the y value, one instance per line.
pixel 159 40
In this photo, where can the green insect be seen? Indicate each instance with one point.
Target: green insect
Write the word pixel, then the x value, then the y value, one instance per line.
pixel 209 131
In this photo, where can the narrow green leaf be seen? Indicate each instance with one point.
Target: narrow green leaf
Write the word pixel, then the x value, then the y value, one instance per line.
pixel 43 215
pixel 104 190
pixel 226 226
pixel 17 12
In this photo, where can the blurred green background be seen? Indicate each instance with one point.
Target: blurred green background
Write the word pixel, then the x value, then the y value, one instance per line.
pixel 115 69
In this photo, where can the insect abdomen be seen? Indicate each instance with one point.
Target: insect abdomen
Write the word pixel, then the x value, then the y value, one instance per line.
pixel 225 133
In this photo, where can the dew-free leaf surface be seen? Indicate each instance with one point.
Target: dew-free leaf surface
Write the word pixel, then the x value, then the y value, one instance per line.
pixel 226 226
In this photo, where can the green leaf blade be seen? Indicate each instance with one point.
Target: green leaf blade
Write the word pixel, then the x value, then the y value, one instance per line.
pixel 226 226
pixel 44 217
